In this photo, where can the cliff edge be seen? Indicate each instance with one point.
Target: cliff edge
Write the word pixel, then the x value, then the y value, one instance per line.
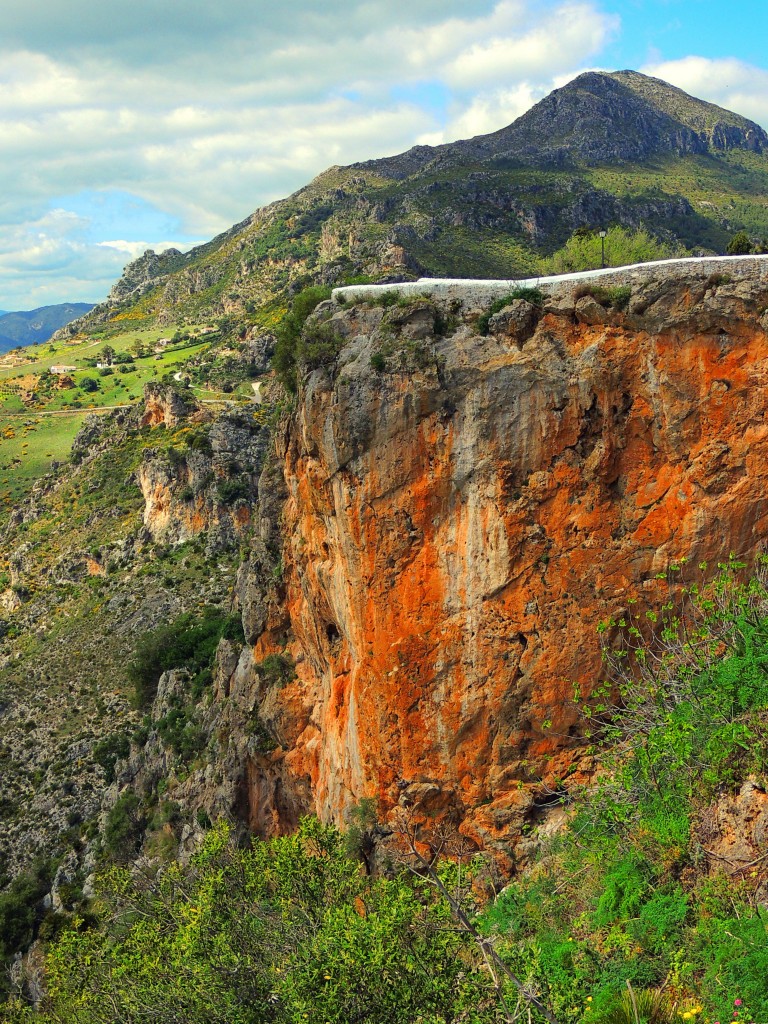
pixel 464 509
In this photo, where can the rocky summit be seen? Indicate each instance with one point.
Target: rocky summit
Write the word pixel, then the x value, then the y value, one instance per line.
pixel 447 566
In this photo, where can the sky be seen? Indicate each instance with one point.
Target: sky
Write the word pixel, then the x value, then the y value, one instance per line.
pixel 127 126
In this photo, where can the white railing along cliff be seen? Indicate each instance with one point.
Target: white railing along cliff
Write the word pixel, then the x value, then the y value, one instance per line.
pixel 480 292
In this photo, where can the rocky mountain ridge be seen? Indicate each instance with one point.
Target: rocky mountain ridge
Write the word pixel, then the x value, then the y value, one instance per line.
pixel 597 118
pixel 32 326
pixel 605 149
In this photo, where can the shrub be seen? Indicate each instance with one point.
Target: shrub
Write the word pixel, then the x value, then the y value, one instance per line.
pixel 124 826
pixel 739 245
pixel 179 732
pixel 532 295
pixel 88 384
pixel 199 441
pixel 230 491
pixel 286 355
pixel 20 912
pixel 277 669
pixel 318 346
pixel 618 297
pixel 583 250
pixel 109 751
pixel 284 930
pixel 189 642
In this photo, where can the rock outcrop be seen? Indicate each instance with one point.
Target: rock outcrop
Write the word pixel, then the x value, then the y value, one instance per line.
pixel 465 510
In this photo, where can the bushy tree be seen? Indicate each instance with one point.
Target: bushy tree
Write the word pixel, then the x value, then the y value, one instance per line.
pixel 289 930
pixel 740 245
pixel 583 250
pixel 289 348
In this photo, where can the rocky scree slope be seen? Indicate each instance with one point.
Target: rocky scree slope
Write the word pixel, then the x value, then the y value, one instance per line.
pixel 605 149
pixel 145 525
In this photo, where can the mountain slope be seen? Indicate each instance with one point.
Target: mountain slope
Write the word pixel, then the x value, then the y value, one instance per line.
pixel 605 149
pixel 36 325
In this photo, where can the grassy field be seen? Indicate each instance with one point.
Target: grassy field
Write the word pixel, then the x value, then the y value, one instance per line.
pixel 40 413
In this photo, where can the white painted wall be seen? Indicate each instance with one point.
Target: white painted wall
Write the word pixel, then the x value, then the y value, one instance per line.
pixel 480 292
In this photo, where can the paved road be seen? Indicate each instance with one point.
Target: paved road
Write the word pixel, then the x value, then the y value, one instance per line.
pixel 32 413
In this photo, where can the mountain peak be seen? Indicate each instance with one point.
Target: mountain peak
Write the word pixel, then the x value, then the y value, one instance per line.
pixel 598 117
pixel 617 117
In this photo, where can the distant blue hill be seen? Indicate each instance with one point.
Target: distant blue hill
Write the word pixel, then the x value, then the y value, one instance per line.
pixel 36 325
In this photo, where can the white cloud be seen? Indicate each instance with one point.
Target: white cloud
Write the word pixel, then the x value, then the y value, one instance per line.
pixel 533 49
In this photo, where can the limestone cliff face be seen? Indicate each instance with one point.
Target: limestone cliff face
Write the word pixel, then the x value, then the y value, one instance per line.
pixel 207 485
pixel 459 522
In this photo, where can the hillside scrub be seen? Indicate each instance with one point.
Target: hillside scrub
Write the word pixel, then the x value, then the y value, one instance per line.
pixel 583 251
pixel 189 642
pixel 631 891
pixel 287 930
pixel 289 348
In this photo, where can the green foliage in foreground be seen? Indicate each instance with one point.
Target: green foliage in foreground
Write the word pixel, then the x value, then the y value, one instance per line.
pixel 583 251
pixel 629 892
pixel 289 930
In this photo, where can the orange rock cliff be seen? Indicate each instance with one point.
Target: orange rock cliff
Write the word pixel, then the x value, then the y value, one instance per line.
pixel 454 522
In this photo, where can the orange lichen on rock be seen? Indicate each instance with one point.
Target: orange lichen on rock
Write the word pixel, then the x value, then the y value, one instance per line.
pixel 455 531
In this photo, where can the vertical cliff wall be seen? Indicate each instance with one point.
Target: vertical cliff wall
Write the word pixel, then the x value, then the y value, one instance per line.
pixel 460 518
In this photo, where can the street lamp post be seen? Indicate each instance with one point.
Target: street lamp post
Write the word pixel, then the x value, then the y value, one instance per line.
pixel 602 248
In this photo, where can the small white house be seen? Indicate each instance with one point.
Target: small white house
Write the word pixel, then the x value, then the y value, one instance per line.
pixel 64 369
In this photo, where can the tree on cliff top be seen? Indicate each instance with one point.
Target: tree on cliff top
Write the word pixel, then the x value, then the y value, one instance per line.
pixel 583 251
pixel 740 245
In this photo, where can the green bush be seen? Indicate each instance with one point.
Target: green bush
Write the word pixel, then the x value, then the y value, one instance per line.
pixel 124 827
pixel 230 491
pixel 618 297
pixel 181 733
pixel 277 669
pixel 199 441
pixel 287 930
pixel 739 245
pixel 318 346
pixel 287 353
pixel 583 250
pixel 189 642
pixel 109 751
pixel 21 912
